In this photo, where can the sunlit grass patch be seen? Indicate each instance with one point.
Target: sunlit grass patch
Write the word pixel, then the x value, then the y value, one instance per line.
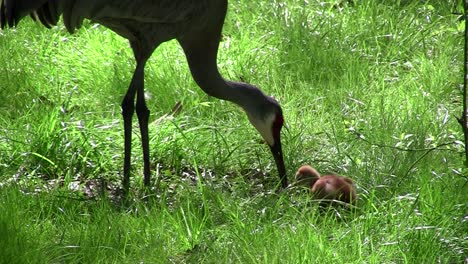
pixel 369 90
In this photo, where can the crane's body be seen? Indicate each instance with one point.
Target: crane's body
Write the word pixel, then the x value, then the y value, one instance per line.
pixel 195 24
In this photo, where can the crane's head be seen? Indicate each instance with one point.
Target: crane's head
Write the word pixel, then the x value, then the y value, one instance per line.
pixel 268 120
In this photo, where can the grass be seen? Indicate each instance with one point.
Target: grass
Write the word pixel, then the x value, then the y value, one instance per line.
pixel 370 90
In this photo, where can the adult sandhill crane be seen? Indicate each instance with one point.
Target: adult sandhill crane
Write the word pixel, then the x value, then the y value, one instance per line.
pixel 327 187
pixel 195 24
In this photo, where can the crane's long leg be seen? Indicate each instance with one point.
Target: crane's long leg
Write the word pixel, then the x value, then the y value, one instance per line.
pixel 128 108
pixel 143 115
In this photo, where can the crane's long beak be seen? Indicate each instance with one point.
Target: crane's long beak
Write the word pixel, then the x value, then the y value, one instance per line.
pixel 277 152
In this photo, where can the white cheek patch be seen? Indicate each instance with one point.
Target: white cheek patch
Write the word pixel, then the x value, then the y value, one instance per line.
pixel 264 127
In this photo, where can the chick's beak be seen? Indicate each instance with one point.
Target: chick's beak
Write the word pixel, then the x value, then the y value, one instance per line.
pixel 277 152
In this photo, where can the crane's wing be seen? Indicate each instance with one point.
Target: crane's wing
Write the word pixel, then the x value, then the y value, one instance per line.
pixel 142 11
pixel 151 11
pixel 75 11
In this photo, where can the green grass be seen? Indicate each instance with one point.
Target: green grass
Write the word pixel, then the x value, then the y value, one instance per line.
pixel 369 90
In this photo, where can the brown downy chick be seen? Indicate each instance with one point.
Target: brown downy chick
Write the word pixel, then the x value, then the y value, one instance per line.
pixel 327 187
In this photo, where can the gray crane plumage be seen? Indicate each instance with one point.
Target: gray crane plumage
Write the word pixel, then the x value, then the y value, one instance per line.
pixel 195 24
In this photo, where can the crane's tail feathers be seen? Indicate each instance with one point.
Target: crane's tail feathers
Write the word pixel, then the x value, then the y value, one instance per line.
pixel 2 15
pixel 6 13
pixel 11 12
pixel 53 11
pixel 46 14
pixel 37 16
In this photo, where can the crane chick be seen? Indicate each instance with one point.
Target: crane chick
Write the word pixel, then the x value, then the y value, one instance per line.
pixel 327 187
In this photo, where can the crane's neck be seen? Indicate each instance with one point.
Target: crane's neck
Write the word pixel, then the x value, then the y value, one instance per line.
pixel 261 109
pixel 247 96
pixel 258 106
